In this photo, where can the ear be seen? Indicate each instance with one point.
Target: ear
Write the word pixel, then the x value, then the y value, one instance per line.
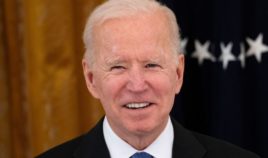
pixel 90 79
pixel 180 72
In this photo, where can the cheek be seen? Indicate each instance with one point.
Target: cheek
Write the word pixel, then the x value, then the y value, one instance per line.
pixel 109 88
pixel 165 89
pixel 164 84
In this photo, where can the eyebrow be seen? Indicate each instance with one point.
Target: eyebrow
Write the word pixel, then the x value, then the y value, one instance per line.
pixel 113 61
pixel 119 60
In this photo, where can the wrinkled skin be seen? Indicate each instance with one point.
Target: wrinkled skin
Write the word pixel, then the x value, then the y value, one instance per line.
pixel 134 66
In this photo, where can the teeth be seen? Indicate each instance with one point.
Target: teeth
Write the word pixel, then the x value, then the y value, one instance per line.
pixel 137 105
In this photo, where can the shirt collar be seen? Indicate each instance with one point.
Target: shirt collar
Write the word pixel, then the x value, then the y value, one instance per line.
pixel 118 148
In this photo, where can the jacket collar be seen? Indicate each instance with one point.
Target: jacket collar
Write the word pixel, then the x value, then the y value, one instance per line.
pixel 93 144
pixel 185 144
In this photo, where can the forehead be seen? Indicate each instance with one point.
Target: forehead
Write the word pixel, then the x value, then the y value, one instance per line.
pixel 138 26
pixel 141 31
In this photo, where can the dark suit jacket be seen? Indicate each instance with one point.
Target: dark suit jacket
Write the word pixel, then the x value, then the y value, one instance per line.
pixel 186 144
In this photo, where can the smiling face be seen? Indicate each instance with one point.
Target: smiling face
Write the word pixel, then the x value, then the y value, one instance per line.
pixel 135 75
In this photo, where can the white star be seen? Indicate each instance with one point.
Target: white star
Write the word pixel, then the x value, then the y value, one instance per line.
pixel 183 45
pixel 242 55
pixel 226 54
pixel 202 53
pixel 257 47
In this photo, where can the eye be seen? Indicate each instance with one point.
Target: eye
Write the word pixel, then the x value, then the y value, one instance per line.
pixel 117 67
pixel 152 65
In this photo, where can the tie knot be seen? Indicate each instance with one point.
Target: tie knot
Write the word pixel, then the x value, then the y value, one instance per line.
pixel 141 155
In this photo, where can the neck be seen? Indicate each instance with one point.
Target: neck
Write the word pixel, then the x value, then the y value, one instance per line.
pixel 141 140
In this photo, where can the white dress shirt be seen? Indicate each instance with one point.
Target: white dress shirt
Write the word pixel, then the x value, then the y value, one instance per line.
pixel 118 148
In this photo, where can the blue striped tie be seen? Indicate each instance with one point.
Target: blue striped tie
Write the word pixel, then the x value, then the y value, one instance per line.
pixel 141 155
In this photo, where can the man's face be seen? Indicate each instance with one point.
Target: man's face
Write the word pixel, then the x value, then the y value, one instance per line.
pixel 134 74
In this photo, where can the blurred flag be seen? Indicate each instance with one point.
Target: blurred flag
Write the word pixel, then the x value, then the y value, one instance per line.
pixel 225 91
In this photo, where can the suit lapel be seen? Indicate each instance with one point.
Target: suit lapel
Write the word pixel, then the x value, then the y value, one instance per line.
pixel 185 144
pixel 93 144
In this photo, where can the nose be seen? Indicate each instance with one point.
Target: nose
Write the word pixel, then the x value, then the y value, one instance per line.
pixel 136 80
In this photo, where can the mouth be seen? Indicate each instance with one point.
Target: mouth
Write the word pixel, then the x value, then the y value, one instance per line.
pixel 136 106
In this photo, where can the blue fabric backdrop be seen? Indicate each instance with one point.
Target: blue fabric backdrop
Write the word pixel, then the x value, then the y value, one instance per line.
pixel 225 91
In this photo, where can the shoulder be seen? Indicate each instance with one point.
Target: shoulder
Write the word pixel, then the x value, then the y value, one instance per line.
pixel 192 144
pixel 64 150
pixel 87 145
pixel 219 148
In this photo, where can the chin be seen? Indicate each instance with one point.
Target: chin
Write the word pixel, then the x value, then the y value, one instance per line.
pixel 142 129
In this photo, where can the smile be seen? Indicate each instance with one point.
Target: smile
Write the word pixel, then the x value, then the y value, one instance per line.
pixel 137 105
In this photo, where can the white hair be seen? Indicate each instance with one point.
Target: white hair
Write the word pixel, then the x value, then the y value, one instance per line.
pixel 113 9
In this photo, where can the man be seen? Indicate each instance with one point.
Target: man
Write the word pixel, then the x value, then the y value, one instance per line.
pixel 133 65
